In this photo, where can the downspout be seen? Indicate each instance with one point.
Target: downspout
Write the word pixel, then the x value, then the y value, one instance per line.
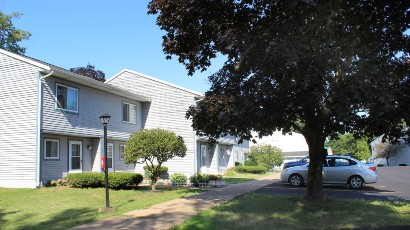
pixel 39 125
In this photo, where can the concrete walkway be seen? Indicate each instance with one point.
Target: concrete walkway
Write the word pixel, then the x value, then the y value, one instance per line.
pixel 171 213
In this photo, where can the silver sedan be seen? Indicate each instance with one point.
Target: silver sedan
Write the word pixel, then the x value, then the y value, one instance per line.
pixel 336 170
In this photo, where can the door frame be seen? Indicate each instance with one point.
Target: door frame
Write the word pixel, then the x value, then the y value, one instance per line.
pixel 70 167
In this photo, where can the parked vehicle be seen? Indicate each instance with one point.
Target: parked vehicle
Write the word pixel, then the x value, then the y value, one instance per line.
pixel 300 162
pixel 336 170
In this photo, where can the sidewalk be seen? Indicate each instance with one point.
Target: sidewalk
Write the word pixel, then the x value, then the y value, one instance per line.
pixel 171 213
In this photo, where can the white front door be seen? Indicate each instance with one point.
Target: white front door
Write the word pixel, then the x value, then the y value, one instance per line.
pixel 110 157
pixel 75 149
pixel 203 159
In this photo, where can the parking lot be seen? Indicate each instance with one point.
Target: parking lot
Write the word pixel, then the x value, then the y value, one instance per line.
pixel 393 184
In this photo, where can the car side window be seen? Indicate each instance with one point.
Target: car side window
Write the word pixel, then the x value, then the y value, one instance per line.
pixel 341 162
pixel 352 162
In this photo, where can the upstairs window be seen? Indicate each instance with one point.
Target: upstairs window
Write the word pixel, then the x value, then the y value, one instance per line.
pixel 129 113
pixel 67 98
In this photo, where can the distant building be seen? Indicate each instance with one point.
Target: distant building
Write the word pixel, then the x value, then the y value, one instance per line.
pixel 402 157
pixel 293 146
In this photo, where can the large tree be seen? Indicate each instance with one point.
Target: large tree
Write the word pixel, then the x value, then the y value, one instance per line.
pixel 89 71
pixel 314 67
pixel 11 36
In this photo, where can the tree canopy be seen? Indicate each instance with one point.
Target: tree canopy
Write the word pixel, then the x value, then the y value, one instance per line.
pixel 90 71
pixel 267 155
pixel 359 147
pixel 315 67
pixel 11 36
pixel 153 147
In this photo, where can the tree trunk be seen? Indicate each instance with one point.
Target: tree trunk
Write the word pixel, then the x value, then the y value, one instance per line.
pixel 317 156
pixel 153 185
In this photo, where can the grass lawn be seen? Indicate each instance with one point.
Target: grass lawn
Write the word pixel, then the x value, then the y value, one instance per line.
pixel 235 178
pixel 254 211
pixel 64 207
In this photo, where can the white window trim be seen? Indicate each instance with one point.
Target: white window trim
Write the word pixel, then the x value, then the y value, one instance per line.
pixel 122 155
pixel 45 149
pixel 136 111
pixel 56 99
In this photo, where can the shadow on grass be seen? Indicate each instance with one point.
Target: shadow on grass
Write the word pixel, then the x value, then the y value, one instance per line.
pixel 63 220
pixel 255 211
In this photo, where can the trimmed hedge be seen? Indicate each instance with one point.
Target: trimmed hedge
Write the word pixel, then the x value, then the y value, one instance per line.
pixel 123 180
pixel 116 180
pixel 214 177
pixel 250 163
pixel 86 180
pixel 251 169
pixel 200 178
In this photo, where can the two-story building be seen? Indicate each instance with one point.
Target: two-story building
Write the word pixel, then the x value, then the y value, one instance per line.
pixel 51 123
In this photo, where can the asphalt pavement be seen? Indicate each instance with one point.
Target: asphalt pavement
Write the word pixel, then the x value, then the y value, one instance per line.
pixel 393 185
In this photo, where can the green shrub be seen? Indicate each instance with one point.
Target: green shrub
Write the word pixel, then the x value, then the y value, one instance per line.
pixel 238 164
pixel 214 177
pixel 116 180
pixel 85 180
pixel 250 163
pixel 251 169
pixel 123 180
pixel 178 178
pixel 59 182
pixel 198 178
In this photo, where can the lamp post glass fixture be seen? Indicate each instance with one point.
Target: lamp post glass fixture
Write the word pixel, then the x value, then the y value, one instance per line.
pixel 105 118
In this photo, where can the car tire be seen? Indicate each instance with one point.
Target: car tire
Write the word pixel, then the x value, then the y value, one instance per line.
pixel 296 180
pixel 356 182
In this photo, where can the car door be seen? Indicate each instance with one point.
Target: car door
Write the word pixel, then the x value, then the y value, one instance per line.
pixel 337 171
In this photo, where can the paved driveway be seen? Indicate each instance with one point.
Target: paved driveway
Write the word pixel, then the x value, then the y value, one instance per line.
pixel 394 184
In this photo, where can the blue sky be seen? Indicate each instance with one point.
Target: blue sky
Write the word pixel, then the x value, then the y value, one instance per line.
pixel 111 35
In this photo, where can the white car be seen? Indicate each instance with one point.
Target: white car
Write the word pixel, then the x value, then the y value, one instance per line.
pixel 336 170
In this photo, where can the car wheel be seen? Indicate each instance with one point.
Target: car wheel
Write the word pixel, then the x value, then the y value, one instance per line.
pixel 296 180
pixel 356 182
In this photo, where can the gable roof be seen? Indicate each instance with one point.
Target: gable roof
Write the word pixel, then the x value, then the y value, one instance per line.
pixel 154 79
pixel 77 78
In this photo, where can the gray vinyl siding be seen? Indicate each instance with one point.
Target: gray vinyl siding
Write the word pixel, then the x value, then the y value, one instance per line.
pixel 166 111
pixel 18 108
pixel 92 104
pixel 53 169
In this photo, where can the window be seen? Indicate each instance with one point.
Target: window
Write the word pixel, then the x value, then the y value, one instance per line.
pixel 122 150
pixel 129 113
pixel 67 98
pixel 51 149
pixel 341 162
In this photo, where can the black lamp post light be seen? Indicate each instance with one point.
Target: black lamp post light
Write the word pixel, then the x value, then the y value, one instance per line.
pixel 105 118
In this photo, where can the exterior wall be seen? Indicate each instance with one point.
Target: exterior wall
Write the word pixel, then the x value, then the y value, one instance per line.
pixel 166 111
pixel 294 147
pixel 18 109
pixel 52 169
pixel 92 104
pixel 401 157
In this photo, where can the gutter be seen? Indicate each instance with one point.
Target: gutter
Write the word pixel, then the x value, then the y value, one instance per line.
pixel 39 125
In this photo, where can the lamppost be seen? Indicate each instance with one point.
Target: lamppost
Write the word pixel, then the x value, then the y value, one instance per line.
pixel 105 118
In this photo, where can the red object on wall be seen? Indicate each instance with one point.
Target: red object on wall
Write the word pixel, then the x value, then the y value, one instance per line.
pixel 102 162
